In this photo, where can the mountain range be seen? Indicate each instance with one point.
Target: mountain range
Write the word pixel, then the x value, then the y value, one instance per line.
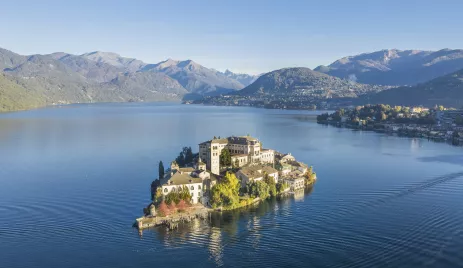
pixel 108 77
pixel 446 90
pixel 386 76
pixel 396 67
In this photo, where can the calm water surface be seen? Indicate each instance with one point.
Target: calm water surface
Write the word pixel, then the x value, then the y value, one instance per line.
pixel 73 179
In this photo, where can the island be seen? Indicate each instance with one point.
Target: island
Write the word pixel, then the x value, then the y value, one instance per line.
pixel 226 173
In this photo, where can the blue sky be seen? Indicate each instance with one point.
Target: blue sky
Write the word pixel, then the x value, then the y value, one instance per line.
pixel 244 36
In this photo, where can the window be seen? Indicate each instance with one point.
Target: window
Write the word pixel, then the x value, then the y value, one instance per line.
pixel 180 188
pixel 192 194
pixel 192 187
pixel 199 187
pixel 166 190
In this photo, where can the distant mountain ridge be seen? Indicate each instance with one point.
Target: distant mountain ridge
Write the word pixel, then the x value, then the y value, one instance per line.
pixel 446 90
pixel 396 67
pixel 194 77
pixel 107 77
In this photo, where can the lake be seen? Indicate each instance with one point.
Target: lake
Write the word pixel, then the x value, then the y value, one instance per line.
pixel 74 178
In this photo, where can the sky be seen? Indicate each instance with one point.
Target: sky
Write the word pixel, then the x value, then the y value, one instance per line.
pixel 242 36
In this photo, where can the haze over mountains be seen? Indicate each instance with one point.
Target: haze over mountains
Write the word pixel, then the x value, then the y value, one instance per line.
pixel 108 77
pixel 446 90
pixel 396 67
pixel 38 80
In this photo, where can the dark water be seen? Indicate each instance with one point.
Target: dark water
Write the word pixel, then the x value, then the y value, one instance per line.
pixel 74 178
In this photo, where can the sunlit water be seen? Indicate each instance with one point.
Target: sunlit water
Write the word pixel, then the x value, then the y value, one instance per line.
pixel 73 179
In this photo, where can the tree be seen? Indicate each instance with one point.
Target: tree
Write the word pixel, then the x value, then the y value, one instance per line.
pixel 441 108
pixel 180 159
pixel 172 207
pixel 226 193
pixel 161 170
pixel 181 205
pixel 270 181
pixel 163 209
pixel 225 157
pixel 158 197
pixel 188 155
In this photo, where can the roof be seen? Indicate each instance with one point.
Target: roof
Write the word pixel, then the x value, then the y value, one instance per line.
pixel 220 141
pixel 181 179
pixel 186 169
pixel 288 156
pixel 298 164
pixel 257 171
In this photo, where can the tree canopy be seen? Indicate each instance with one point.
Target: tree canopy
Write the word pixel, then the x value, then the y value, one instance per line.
pixel 225 158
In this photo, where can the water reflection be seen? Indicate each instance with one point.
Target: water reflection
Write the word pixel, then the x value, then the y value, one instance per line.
pixel 230 228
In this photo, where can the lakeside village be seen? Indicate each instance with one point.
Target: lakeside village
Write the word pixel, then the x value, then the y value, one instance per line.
pixel 438 124
pixel 227 173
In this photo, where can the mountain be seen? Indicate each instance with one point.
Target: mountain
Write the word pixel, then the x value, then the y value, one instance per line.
pixel 446 90
pixel 244 79
pixel 95 71
pixel 128 64
pixel 15 97
pixel 104 76
pixel 396 67
pixel 195 77
pixel 304 81
pixel 140 87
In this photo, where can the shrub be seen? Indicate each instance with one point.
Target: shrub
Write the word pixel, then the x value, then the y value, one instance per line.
pixel 163 209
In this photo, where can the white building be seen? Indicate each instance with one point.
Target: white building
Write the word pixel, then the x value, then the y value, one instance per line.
pixel 178 181
pixel 294 183
pixel 243 150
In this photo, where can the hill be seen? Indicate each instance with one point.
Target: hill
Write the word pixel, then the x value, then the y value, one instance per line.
pixel 396 67
pixel 446 90
pixel 304 81
pixel 15 97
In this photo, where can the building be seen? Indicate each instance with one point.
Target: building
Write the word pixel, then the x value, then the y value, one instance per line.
pixel 256 173
pixel 243 150
pixel 294 183
pixel 178 181
pixel 197 180
pixel 287 158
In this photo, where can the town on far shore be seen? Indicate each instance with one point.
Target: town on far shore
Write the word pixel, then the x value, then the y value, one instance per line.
pixel 438 123
pixel 226 173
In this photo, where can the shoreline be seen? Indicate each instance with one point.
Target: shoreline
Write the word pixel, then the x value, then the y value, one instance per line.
pixel 202 213
pixel 402 132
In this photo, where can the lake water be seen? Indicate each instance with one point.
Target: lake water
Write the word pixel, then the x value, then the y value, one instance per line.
pixel 74 178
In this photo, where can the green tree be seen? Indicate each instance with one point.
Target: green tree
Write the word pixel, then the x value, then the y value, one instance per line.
pixel 161 170
pixel 270 181
pixel 187 152
pixel 180 159
pixel 225 157
pixel 226 193
pixel 158 197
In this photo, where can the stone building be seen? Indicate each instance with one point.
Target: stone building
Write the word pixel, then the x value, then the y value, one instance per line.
pixel 256 173
pixel 244 150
